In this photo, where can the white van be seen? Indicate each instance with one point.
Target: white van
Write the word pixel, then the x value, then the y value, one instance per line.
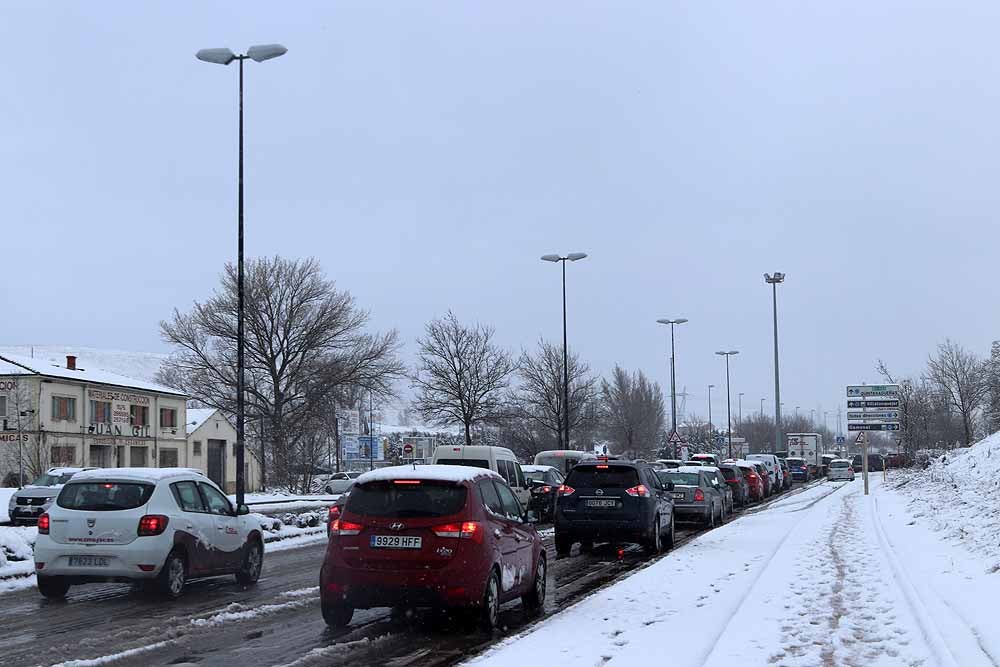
pixel 564 459
pixel 773 466
pixel 498 459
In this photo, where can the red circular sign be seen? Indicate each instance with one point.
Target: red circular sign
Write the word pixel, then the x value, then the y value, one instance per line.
pixel 407 448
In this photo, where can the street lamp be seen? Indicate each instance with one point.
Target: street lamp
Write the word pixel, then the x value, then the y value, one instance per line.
pixel 259 54
pixel 739 414
pixel 673 381
pixel 762 408
pixel 729 416
pixel 773 280
pixel 571 257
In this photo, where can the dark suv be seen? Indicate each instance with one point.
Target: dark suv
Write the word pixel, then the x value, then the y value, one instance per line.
pixel 613 501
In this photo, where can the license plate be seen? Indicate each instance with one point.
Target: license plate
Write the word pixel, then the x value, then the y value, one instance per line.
pixel 678 496
pixel 89 561
pixel 602 502
pixel 396 542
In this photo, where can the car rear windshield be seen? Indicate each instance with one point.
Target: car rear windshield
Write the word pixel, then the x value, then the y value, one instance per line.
pixel 474 463
pixel 796 462
pixel 728 473
pixel 534 476
pixel 839 464
pixel 104 496
pixel 680 478
pixel 595 477
pixel 406 501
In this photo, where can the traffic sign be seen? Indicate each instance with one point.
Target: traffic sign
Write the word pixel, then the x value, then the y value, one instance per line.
pixel 886 426
pixel 675 438
pixel 408 448
pixel 884 415
pixel 841 440
pixel 861 390
pixel 874 403
pixel 860 440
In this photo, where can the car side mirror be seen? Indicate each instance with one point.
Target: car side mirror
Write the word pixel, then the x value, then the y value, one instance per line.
pixel 242 510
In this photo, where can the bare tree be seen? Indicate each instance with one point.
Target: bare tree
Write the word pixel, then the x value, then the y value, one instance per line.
pixel 304 339
pixel 539 400
pixel 960 377
pixel 633 411
pixel 461 376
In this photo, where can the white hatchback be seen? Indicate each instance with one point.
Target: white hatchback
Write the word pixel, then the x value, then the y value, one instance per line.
pixel 158 525
pixel 840 469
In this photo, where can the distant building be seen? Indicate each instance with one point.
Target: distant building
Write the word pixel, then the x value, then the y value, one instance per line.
pixel 74 416
pixel 211 448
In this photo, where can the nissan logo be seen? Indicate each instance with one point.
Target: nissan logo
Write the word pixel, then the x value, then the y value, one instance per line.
pixel 397 525
pixel 599 492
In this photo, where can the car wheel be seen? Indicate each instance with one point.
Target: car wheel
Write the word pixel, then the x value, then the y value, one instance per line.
pixel 253 561
pixel 534 600
pixel 337 614
pixel 489 614
pixel 563 545
pixel 172 576
pixel 54 588
pixel 711 517
pixel 671 538
pixel 654 544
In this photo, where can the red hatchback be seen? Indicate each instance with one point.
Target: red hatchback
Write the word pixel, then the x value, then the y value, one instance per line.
pixel 431 536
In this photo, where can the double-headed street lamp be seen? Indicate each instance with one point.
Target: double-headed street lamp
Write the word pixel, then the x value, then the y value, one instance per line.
pixel 673 380
pixel 572 257
pixel 773 280
pixel 729 416
pixel 258 54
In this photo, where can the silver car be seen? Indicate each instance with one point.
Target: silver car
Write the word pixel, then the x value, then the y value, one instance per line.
pixel 340 482
pixel 840 470
pixel 27 504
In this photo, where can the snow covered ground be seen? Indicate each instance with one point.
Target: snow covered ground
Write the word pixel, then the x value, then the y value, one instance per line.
pixel 826 577
pixel 5 493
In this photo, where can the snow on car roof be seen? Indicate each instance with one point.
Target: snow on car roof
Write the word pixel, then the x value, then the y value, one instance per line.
pixel 145 474
pixel 742 463
pixel 430 473
pixel 537 468
pixel 692 469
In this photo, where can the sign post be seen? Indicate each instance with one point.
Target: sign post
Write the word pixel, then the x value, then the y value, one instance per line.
pixel 675 440
pixel 872 408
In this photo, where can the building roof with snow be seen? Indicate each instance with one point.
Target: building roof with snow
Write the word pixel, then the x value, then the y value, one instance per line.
pixel 13 364
pixel 196 417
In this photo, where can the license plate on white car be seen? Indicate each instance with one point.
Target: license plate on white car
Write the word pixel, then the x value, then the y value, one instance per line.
pixel 679 495
pixel 396 542
pixel 89 561
pixel 605 503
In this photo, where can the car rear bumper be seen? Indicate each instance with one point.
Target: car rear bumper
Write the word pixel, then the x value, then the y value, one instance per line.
pixel 625 528
pixel 693 511
pixel 53 559
pixel 452 586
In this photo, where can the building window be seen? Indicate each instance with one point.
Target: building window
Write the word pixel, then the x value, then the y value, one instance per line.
pixel 138 415
pixel 63 455
pixel 137 457
pixel 100 412
pixel 3 406
pixel 168 418
pixel 168 458
pixel 196 451
pixel 63 408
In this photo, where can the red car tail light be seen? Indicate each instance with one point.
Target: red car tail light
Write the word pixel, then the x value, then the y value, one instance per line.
pixel 638 491
pixel 152 525
pixel 699 495
pixel 546 489
pixel 406 481
pixel 344 528
pixel 43 524
pixel 566 490
pixel 467 530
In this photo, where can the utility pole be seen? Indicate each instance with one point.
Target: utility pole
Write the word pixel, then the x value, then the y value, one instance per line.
pixel 710 427
pixel 773 281
pixel 739 412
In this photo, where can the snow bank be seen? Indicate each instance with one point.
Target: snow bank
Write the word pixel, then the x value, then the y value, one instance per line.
pixel 958 495
pixel 5 494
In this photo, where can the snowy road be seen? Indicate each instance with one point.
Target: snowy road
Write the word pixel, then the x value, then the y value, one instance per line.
pixel 825 578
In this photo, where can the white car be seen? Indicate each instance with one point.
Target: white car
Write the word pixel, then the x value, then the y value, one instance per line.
pixel 27 504
pixel 840 469
pixel 340 482
pixel 160 525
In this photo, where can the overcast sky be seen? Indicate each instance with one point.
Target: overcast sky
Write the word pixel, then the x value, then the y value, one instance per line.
pixel 428 153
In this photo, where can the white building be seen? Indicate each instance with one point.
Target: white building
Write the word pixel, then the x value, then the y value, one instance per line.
pixel 211 448
pixel 74 416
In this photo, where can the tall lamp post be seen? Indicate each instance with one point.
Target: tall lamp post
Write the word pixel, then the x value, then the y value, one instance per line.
pixel 673 378
pixel 571 257
pixel 762 408
pixel 773 280
pixel 739 414
pixel 259 54
pixel 729 416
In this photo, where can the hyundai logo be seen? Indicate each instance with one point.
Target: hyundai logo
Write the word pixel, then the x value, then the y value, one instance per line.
pixel 397 525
